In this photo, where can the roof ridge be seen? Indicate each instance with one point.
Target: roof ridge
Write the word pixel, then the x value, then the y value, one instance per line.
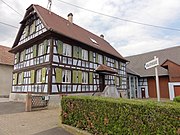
pixel 159 50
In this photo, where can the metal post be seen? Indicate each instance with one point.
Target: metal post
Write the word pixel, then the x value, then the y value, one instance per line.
pixel 157 83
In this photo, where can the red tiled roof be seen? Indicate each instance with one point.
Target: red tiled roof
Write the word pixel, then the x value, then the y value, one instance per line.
pixel 104 68
pixel 6 57
pixel 62 26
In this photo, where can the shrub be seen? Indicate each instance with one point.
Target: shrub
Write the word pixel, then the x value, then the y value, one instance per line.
pixel 109 116
pixel 177 99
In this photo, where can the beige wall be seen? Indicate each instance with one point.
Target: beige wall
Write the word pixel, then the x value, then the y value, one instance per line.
pixel 5 79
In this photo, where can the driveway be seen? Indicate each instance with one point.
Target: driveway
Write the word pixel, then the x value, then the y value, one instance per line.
pixel 14 121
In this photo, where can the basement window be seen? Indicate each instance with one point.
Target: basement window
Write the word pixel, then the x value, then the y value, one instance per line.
pixel 94 41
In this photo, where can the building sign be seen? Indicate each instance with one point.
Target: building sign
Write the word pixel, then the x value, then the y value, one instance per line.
pixel 152 63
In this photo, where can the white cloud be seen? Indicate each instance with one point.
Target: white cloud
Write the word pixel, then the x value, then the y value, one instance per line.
pixel 126 37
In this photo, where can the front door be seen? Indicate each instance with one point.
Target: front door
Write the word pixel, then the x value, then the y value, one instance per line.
pixel 101 82
pixel 143 92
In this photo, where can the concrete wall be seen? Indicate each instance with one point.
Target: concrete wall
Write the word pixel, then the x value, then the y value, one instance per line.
pixel 5 79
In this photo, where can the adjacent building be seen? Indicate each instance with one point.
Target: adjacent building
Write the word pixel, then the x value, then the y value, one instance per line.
pixel 55 56
pixel 169 74
pixel 6 68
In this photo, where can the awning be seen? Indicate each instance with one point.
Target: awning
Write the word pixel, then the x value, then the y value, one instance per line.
pixel 105 69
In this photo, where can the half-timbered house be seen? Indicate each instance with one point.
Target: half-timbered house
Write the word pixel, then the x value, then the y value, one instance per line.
pixel 55 56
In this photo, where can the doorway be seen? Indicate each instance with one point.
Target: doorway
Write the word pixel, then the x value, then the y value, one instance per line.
pixel 101 82
pixel 143 92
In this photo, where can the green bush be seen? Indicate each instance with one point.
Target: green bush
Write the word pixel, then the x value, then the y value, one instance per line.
pixel 109 116
pixel 177 99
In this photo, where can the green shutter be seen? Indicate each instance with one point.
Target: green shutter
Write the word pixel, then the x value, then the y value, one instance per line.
pixel 74 76
pixel 96 57
pixel 22 79
pixel 17 57
pixel 104 60
pixel 80 76
pixel 43 75
pixel 33 27
pixel 120 81
pixel 15 78
pixel 91 56
pixel 90 77
pixel 75 52
pixel 60 47
pixel 32 76
pixel 115 80
pixel 24 54
pixel 45 46
pixel 115 64
pixel 80 52
pixel 26 29
pixel 58 75
pixel 34 50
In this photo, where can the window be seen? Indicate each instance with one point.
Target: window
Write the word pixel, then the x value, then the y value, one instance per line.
pixel 67 50
pixel 66 76
pixel 40 49
pixel 84 54
pixel 85 77
pixel 100 59
pixel 38 76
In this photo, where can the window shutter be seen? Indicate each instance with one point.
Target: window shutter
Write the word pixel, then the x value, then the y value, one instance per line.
pixel 115 64
pixel 120 81
pixel 90 77
pixel 34 50
pixel 75 52
pixel 34 26
pixel 45 46
pixel 17 57
pixel 58 75
pixel 96 57
pixel 80 52
pixel 80 76
pixel 60 47
pixel 26 29
pixel 91 56
pixel 15 78
pixel 43 75
pixel 24 54
pixel 104 60
pixel 22 78
pixel 74 76
pixel 115 80
pixel 32 76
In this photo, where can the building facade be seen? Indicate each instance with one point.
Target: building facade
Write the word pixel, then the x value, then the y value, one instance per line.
pixel 55 56
pixel 6 68
pixel 168 70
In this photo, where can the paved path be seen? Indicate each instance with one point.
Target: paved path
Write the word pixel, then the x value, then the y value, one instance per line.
pixel 44 122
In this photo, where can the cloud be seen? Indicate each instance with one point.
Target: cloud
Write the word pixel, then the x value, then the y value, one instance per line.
pixel 127 38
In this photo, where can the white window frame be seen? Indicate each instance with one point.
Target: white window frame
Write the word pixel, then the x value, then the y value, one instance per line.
pixel 66 76
pixel 67 50
pixel 84 54
pixel 38 75
pixel 40 49
pixel 100 59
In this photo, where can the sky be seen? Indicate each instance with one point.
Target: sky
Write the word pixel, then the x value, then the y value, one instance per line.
pixel 127 38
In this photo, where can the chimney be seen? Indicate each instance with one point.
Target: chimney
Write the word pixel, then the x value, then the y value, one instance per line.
pixel 70 17
pixel 102 36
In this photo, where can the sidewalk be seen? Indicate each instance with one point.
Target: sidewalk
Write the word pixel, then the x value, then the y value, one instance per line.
pixel 44 122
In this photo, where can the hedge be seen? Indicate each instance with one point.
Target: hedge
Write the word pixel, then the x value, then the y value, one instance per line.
pixel 109 116
pixel 177 99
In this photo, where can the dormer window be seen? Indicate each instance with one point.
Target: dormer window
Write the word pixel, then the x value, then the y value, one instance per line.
pixel 94 41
